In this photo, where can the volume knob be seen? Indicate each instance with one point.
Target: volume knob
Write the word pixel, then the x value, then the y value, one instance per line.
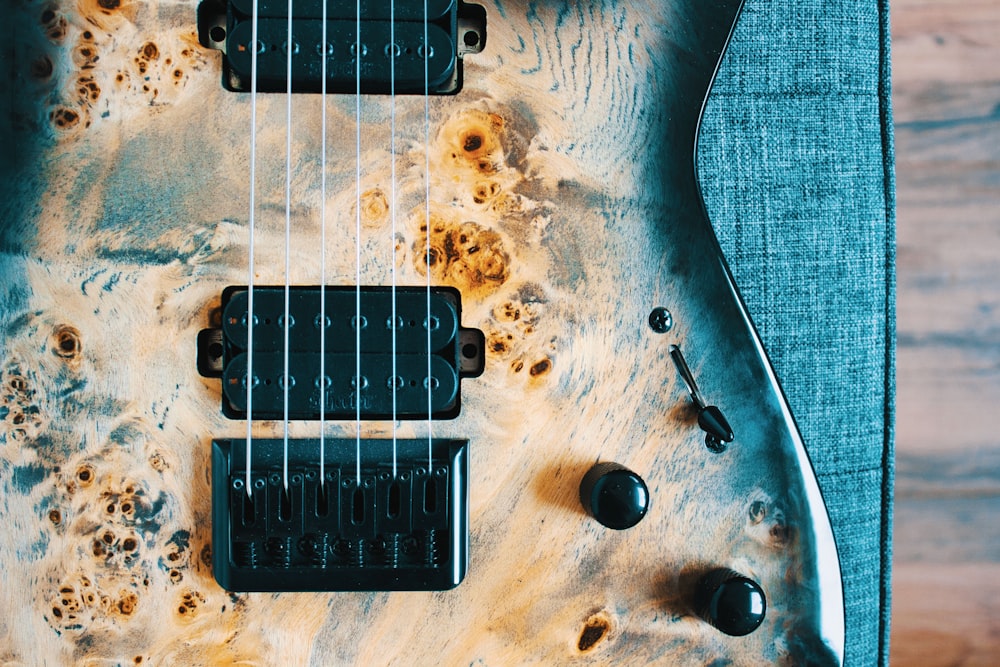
pixel 614 495
pixel 732 603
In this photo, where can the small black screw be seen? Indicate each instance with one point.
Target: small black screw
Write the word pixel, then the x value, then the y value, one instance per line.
pixel 714 445
pixel 660 320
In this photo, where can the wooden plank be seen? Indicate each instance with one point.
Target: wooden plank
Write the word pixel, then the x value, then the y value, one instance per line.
pixel 943 41
pixel 964 527
pixel 946 94
pixel 946 616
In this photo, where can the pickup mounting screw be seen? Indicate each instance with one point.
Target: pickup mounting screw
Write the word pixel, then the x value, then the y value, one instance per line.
pixel 660 320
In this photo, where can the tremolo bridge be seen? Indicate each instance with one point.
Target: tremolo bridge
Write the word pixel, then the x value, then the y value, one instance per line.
pixel 341 514
pixel 333 528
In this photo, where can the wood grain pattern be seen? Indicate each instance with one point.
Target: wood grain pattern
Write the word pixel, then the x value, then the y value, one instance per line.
pixel 946 63
pixel 563 223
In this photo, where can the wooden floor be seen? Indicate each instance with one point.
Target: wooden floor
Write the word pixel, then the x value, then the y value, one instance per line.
pixel 946 94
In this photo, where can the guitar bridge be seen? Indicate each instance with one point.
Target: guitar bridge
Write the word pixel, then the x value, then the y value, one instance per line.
pixel 338 530
pixel 404 51
pixel 407 367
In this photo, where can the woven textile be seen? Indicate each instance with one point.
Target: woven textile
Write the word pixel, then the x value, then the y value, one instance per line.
pixel 795 161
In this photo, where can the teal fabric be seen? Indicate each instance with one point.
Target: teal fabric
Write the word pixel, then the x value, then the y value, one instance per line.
pixel 796 164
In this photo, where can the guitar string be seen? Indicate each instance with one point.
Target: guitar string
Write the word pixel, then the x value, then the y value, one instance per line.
pixel 392 239
pixel 427 222
pixel 286 323
pixel 359 383
pixel 324 52
pixel 289 48
pixel 251 258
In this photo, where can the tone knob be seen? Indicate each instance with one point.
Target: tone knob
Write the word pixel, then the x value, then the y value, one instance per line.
pixel 614 495
pixel 731 602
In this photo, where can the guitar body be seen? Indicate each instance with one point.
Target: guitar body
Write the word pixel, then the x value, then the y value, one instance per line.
pixel 563 206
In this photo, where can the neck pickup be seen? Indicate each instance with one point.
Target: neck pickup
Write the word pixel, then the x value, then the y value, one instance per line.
pixel 411 53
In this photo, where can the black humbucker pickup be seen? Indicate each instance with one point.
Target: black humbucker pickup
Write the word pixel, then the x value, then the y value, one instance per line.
pixel 422 54
pixel 331 533
pixel 412 356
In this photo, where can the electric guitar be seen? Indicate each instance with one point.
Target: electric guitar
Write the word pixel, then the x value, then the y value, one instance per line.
pixel 385 333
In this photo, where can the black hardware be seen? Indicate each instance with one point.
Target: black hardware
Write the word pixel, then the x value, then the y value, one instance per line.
pixel 660 320
pixel 420 339
pixel 614 495
pixel 718 432
pixel 452 29
pixel 731 602
pixel 404 532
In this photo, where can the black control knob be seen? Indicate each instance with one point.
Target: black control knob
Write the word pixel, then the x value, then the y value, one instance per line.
pixel 732 603
pixel 614 495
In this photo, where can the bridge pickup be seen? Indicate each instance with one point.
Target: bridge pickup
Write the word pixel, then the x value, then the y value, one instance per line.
pixel 408 532
pixel 451 27
pixel 394 356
